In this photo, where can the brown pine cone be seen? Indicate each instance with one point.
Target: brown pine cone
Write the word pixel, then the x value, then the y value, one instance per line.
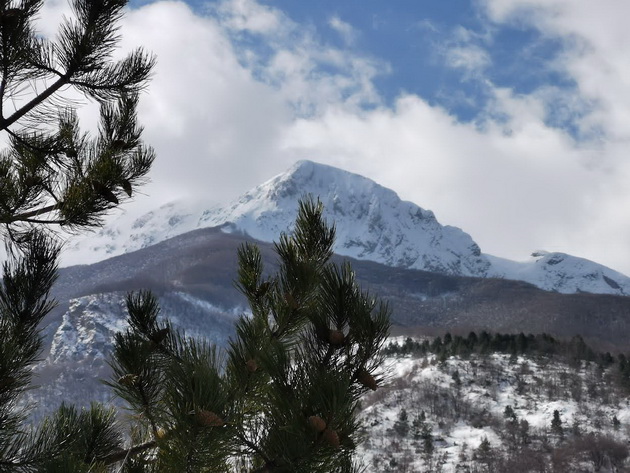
pixel 317 423
pixel 336 337
pixel 332 437
pixel 367 380
pixel 209 419
pixel 251 365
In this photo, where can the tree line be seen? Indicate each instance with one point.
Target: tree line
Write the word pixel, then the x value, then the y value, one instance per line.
pixel 572 351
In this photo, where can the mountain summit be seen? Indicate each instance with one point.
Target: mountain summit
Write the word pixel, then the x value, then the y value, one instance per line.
pixel 372 223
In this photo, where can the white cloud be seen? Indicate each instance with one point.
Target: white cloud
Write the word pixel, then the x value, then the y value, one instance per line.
pixel 472 59
pixel 224 114
pixel 215 110
pixel 212 123
pixel 595 37
pixel 466 50
pixel 250 16
pixel 509 189
pixel 345 30
pixel 308 73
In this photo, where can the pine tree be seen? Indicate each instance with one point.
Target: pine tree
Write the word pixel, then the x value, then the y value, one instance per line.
pixel 509 414
pixel 401 426
pixel 556 424
pixel 284 396
pixel 52 176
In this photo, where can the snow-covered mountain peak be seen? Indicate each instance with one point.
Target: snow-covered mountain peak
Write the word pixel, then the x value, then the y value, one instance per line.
pixel 372 222
pixel 560 272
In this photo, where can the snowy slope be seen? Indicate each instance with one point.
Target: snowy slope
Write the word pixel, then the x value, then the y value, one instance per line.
pixel 455 403
pixel 372 223
pixel 562 273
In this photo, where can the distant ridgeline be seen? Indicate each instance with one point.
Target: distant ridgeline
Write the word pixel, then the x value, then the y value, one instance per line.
pixel 573 352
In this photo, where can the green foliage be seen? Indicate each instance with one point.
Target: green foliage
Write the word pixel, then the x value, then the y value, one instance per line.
pixel 52 174
pixel 284 396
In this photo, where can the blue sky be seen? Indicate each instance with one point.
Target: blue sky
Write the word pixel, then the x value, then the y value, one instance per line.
pixel 428 48
pixel 508 118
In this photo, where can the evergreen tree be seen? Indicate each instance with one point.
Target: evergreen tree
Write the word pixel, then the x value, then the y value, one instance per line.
pixel 401 426
pixel 509 414
pixel 616 423
pixel 284 396
pixel 52 176
pixel 418 424
pixel 427 440
pixel 556 424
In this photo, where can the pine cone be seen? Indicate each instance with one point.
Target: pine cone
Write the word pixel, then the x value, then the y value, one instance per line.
pixel 104 192
pixel 251 365
pixel 126 185
pixel 10 16
pixel 317 423
pixel 161 433
pixel 367 380
pixel 128 379
pixel 332 437
pixel 209 419
pixel 336 338
pixel 119 145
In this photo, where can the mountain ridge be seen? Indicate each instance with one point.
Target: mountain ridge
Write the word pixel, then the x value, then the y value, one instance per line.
pixel 372 223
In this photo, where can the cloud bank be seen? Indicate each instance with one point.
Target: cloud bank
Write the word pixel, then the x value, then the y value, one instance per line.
pixel 241 91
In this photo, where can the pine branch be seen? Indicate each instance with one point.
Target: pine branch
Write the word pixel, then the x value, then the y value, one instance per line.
pixel 130 452
pixel 26 216
pixel 34 102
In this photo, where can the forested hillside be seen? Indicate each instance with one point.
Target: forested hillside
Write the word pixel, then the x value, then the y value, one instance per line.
pixel 499 403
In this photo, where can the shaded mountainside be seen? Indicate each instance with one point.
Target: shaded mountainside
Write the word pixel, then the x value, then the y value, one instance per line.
pixel 203 265
pixel 193 276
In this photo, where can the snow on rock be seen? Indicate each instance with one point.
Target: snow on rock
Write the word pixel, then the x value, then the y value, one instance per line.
pixel 87 329
pixel 563 273
pixel 82 344
pixel 372 224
